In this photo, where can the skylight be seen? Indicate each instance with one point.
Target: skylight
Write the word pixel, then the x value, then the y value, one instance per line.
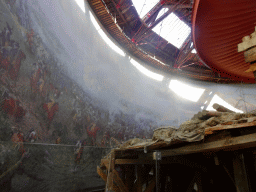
pixel 105 37
pixel 80 3
pixel 146 71
pixel 186 91
pixel 144 6
pixel 174 30
pixel 217 99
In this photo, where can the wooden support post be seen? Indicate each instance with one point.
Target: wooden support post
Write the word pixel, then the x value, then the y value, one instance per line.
pixel 240 173
pixel 111 167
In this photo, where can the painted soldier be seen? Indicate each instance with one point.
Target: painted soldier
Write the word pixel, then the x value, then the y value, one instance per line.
pixel 51 108
pixel 18 139
pixel 12 107
pixel 92 130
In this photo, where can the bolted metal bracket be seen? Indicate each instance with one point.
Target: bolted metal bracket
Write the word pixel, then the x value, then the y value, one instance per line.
pixel 157 156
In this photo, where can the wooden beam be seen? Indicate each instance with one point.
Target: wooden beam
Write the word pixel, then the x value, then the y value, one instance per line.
pixel 115 177
pixel 118 10
pixel 245 141
pixel 251 122
pixel 101 174
pixel 178 160
pixel 104 177
pixel 111 167
pixel 119 182
pixel 181 6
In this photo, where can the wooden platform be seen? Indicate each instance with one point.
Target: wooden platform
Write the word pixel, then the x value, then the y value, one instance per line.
pixel 225 147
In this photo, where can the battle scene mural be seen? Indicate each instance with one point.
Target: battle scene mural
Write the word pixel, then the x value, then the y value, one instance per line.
pixel 41 99
pixel 67 99
pixel 41 104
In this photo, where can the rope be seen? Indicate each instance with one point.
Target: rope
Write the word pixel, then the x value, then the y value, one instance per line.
pixel 47 144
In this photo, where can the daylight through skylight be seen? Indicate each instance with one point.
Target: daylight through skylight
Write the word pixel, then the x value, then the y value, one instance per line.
pixel 146 71
pixel 80 3
pixel 186 91
pixel 144 6
pixel 174 30
pixel 217 99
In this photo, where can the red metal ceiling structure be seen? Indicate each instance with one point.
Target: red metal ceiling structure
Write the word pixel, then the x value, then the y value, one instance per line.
pixel 217 27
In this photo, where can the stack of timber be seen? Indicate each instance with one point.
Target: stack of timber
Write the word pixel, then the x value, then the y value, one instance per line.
pixel 248 46
pixel 207 132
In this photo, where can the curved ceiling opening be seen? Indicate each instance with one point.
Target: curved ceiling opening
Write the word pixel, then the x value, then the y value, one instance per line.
pixel 157 32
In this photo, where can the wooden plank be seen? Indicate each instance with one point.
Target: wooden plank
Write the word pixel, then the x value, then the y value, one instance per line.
pixel 178 160
pixel 119 182
pixel 245 141
pixel 101 174
pixel 111 166
pixel 116 178
pixel 251 123
pixel 151 185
